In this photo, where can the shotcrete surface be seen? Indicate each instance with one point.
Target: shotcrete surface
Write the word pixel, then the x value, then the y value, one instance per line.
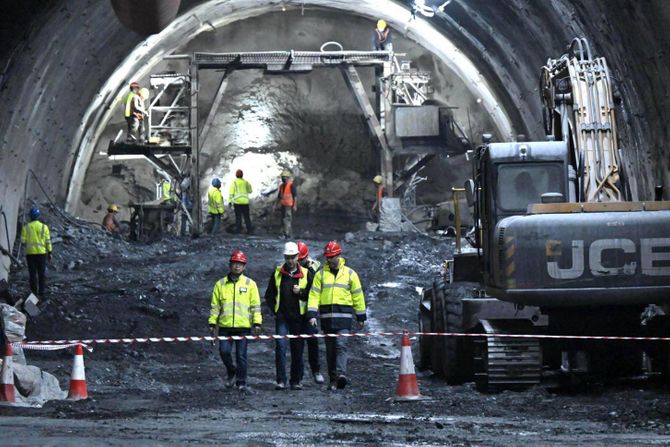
pixel 173 393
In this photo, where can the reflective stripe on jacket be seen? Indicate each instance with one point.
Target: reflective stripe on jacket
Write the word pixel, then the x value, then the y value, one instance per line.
pixel 239 192
pixel 302 283
pixel 285 194
pixel 35 235
pixel 335 298
pixel 214 201
pixel 235 304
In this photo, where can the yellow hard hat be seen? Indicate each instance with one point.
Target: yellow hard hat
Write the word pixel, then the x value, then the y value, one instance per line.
pixel 285 173
pixel 377 179
pixel 144 93
pixel 113 208
pixel 381 24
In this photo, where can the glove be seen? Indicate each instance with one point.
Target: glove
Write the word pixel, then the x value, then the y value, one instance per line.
pixel 212 333
pixel 49 257
pixel 361 324
pixel 312 321
pixel 257 329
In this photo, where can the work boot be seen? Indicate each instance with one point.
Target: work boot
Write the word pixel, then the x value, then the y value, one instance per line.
pixel 296 386
pixel 332 386
pixel 318 377
pixel 341 382
pixel 230 382
pixel 280 386
pixel 244 389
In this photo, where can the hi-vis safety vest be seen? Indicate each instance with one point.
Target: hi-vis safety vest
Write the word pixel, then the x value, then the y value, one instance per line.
pixel 235 304
pixel 37 238
pixel 302 283
pixel 128 110
pixel 285 194
pixel 239 192
pixel 334 298
pixel 214 201
pixel 167 192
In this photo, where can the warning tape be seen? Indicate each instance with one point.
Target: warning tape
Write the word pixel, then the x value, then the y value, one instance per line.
pixel 112 341
pixel 45 346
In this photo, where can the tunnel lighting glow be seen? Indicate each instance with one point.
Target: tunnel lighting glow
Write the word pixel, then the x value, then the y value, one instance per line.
pixel 217 14
pixel 253 130
pixel 261 170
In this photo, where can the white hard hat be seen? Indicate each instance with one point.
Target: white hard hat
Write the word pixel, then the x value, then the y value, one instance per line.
pixel 290 249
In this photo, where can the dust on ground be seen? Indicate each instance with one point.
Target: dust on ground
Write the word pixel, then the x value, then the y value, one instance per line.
pixel 173 393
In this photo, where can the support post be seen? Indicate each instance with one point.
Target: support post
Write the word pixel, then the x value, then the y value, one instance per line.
pixel 195 144
pixel 355 84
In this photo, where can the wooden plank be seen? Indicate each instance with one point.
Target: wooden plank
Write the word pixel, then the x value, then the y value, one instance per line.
pixel 214 109
pixel 356 87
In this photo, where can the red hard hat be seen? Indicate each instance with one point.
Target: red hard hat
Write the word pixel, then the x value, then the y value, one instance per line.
pixel 332 249
pixel 303 250
pixel 134 85
pixel 239 173
pixel 238 256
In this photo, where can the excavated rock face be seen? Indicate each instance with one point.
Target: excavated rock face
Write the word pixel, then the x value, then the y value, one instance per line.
pixel 46 86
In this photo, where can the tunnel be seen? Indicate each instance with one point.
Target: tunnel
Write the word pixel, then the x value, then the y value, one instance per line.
pixel 68 64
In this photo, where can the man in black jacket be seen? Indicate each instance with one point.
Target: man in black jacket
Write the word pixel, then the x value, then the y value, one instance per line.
pixel 286 295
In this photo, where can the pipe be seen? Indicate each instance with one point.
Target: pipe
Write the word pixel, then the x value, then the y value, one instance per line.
pixel 455 196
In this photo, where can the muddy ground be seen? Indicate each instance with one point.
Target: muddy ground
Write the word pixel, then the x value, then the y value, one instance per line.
pixel 173 394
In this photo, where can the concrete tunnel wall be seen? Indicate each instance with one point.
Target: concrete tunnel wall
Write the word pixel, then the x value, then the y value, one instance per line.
pixel 71 48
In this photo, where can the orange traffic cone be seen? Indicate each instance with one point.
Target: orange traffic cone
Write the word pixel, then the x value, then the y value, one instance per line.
pixel 7 393
pixel 78 389
pixel 408 389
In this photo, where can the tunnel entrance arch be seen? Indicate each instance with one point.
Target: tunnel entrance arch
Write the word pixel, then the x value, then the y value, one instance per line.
pixel 213 14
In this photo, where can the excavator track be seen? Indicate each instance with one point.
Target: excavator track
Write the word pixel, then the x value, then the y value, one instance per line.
pixel 503 363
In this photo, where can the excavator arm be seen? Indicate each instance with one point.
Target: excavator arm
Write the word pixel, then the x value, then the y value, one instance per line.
pixel 579 109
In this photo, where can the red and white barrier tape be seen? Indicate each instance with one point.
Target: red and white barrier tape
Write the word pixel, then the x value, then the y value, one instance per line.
pixel 112 341
pixel 46 346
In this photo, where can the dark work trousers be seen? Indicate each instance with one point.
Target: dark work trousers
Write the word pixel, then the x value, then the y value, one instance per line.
pixel 336 354
pixel 37 270
pixel 242 211
pixel 239 368
pixel 216 221
pixel 312 346
pixel 284 326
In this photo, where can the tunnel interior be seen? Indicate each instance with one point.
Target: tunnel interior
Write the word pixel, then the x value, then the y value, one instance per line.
pixel 59 106
pixel 308 123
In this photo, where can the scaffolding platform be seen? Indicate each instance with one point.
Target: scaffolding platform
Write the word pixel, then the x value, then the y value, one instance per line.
pixel 282 61
pixel 123 148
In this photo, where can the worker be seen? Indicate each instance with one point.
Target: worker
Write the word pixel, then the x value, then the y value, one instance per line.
pixel 134 113
pixel 335 293
pixel 312 343
pixel 239 198
pixel 167 191
pixel 235 310
pixel 287 199
pixel 376 208
pixel 382 37
pixel 36 237
pixel 215 206
pixel 128 111
pixel 110 222
pixel 286 296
